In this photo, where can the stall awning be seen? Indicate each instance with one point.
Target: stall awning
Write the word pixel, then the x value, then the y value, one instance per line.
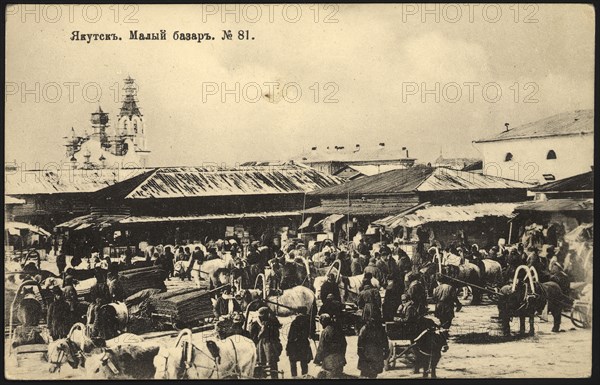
pixel 306 223
pixel 357 208
pixel 13 231
pixel 328 221
pixel 558 205
pixel 95 221
pixel 208 217
pixel 448 213
pixel 99 221
pixel 14 228
pixel 83 226
pixel 389 221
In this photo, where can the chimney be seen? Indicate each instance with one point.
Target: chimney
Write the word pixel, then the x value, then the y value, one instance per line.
pixel 506 125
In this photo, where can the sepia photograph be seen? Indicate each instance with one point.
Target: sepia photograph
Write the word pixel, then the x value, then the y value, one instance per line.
pixel 298 191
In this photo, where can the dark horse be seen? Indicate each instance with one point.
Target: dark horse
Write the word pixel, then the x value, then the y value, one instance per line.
pixel 428 348
pixel 526 297
pixel 297 273
pixel 467 273
pixel 110 320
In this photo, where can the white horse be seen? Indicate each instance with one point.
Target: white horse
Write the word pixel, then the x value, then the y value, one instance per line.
pixel 73 348
pixel 353 283
pixel 233 357
pixel 208 268
pixel 82 287
pixel 283 305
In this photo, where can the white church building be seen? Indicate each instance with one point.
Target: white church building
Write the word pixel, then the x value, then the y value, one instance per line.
pixel 549 149
pixel 123 145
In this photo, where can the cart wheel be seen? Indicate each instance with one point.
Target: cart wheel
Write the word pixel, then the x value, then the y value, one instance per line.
pixel 579 318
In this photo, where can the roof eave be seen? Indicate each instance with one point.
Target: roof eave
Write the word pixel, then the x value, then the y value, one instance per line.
pixel 219 195
pixel 531 137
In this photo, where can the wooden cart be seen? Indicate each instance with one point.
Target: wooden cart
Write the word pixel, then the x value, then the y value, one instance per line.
pixel 401 336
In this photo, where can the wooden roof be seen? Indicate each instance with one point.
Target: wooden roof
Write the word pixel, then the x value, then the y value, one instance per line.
pixel 581 182
pixel 189 182
pixel 420 179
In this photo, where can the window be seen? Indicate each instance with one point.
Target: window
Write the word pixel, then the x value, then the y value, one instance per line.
pixel 551 155
pixel 508 157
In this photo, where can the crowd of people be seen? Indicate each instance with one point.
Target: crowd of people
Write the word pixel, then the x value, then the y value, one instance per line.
pixel 406 293
pixel 398 276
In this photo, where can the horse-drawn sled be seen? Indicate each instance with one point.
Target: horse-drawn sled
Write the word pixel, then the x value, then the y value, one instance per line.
pixel 580 313
pixel 25 335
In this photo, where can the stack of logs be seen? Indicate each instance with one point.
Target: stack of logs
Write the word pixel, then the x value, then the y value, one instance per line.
pixel 135 280
pixel 185 306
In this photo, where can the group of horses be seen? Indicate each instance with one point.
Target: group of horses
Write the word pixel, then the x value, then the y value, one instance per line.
pixel 131 356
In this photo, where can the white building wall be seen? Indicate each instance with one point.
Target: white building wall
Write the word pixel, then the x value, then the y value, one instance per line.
pixel 574 155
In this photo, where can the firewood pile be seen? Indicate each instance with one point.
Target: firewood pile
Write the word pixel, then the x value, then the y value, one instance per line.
pixel 184 306
pixel 135 280
pixel 140 312
pixel 82 275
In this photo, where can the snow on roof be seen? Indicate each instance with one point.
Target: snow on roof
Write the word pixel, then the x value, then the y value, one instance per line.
pixel 53 181
pixel 567 123
pixel 185 182
pixel 448 213
pixel 420 178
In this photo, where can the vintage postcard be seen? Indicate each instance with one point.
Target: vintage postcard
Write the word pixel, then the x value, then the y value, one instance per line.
pixel 298 191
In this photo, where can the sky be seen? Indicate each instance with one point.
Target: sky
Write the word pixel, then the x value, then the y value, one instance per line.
pixel 366 74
